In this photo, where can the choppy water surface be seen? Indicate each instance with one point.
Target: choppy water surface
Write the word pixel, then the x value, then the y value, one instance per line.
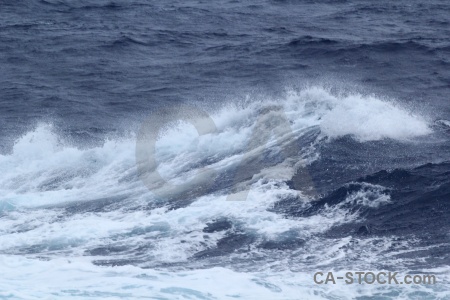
pixel 354 175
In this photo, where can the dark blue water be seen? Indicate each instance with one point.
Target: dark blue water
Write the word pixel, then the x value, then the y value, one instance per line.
pixel 94 70
pixel 93 65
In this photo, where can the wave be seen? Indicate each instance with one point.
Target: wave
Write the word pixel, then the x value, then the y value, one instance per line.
pixel 44 169
pixel 84 208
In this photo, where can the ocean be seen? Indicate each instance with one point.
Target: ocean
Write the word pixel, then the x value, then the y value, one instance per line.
pixel 223 150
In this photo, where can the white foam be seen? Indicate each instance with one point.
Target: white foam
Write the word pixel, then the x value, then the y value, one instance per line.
pixel 77 278
pixel 444 123
pixel 43 170
pixel 371 195
pixel 366 118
